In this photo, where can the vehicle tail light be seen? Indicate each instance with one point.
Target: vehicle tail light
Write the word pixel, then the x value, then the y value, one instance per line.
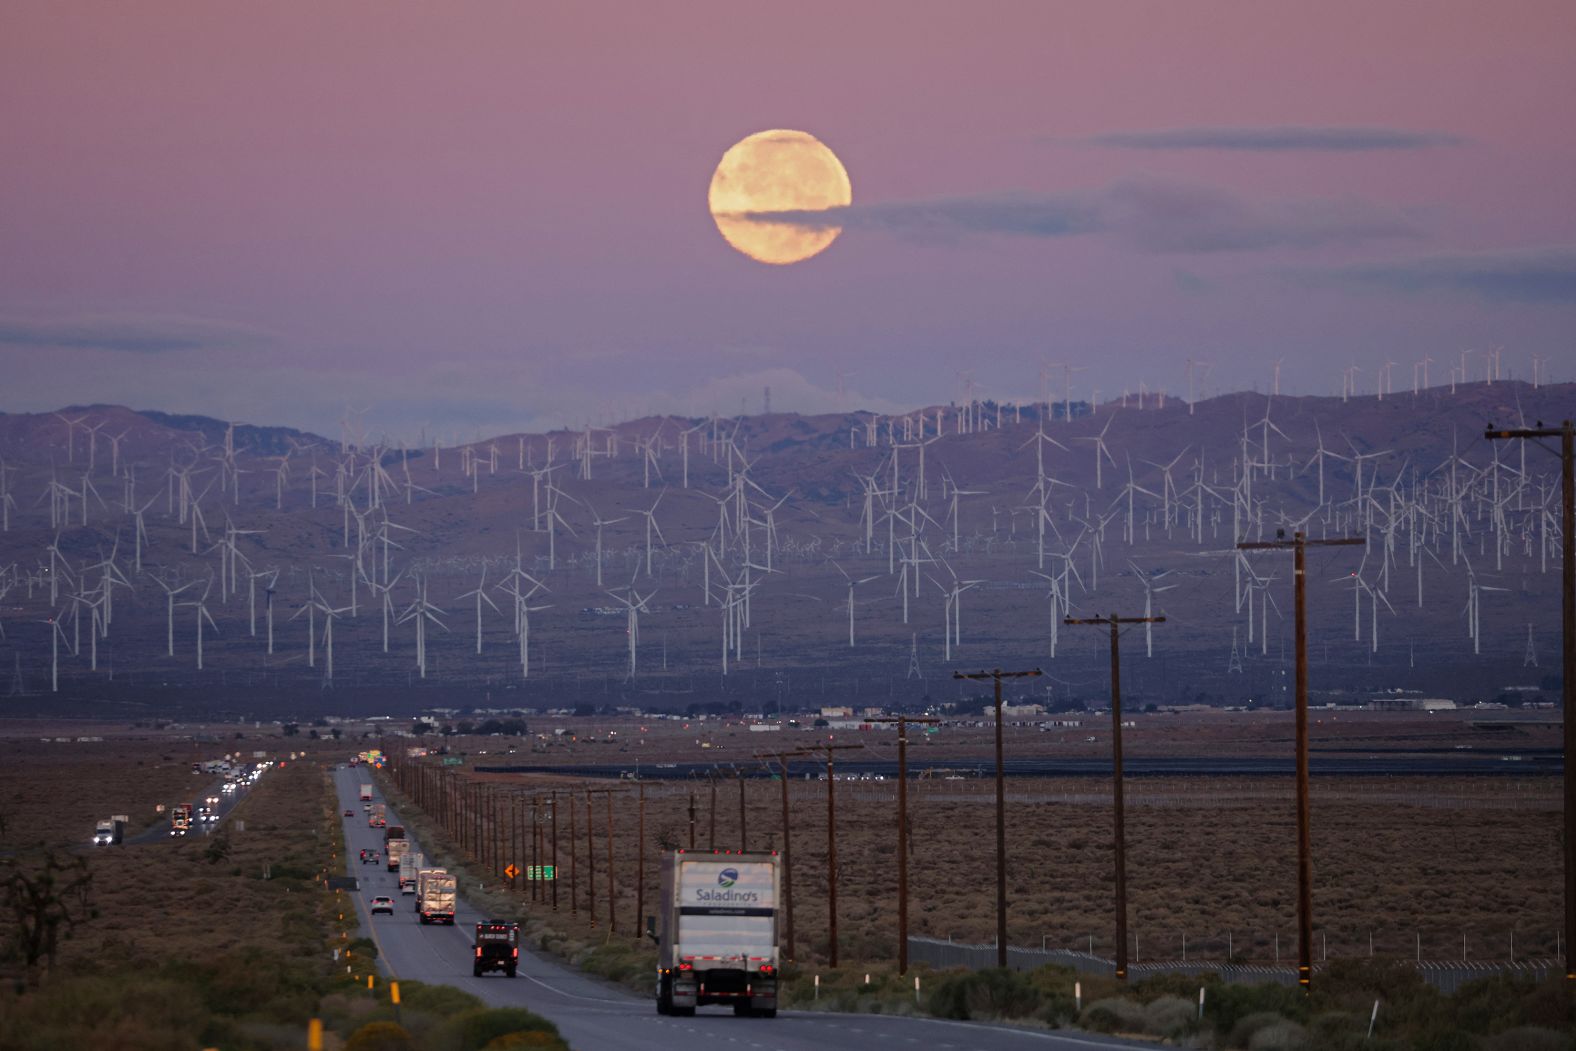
pixel 767 968
pixel 478 950
pixel 686 967
pixel 515 953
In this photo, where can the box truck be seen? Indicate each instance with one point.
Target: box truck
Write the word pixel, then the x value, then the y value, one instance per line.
pixel 393 851
pixel 411 863
pixel 435 894
pixel 366 793
pixel 716 932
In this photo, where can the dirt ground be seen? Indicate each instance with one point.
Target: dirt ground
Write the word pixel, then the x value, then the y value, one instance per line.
pixel 1417 863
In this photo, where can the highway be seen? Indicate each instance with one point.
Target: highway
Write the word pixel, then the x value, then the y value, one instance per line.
pixel 596 1016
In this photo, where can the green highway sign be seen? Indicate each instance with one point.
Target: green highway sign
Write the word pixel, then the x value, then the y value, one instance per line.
pixel 540 872
pixel 452 760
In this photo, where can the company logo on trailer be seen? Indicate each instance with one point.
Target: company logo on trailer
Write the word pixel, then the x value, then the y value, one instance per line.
pixel 726 894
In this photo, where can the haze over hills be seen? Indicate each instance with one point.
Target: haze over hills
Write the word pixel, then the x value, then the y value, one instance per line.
pixel 967 531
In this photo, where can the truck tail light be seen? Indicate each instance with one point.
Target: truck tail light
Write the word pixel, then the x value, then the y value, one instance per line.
pixel 478 951
pixel 767 968
pixel 686 967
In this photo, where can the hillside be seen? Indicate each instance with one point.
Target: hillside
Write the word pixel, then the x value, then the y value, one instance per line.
pixel 966 548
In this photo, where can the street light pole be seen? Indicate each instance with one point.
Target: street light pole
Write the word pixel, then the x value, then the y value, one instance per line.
pixel 1001 807
pixel 1298 544
pixel 1118 806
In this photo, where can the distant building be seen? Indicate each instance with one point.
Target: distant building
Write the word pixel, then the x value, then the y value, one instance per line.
pixel 837 712
pixel 1411 704
pixel 1021 711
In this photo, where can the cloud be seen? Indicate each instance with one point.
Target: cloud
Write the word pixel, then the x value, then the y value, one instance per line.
pixel 1153 215
pixel 147 334
pixel 1278 139
pixel 1524 275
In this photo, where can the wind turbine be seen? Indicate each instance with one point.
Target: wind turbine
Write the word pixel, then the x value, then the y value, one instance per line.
pixel 598 521
pixel 852 583
pixel 634 605
pixel 169 595
pixel 481 596
pixel 651 526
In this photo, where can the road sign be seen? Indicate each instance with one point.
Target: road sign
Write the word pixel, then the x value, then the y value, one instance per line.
pixel 540 872
pixel 452 760
pixel 511 872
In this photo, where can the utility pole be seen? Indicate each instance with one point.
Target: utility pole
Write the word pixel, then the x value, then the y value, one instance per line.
pixel 1566 433
pixel 640 858
pixel 1001 807
pixel 902 832
pixel 744 841
pixel 826 750
pixel 574 899
pixel 1117 803
pixel 782 758
pixel 553 817
pixel 1298 544
pixel 590 860
pixel 692 819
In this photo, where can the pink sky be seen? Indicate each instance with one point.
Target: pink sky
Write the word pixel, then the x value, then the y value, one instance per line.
pixel 493 214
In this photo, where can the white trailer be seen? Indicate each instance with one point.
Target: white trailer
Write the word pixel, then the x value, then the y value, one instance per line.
pixel 716 932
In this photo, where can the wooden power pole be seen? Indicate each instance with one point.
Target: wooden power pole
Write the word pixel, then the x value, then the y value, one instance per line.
pixel 788 939
pixel 903 722
pixel 1001 807
pixel 1298 543
pixel 1119 813
pixel 825 751
pixel 1566 433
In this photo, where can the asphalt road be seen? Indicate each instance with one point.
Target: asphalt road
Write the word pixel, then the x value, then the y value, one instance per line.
pixel 596 1016
pixel 208 785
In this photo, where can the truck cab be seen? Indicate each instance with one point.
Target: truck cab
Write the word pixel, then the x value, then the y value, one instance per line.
pixel 716 932
pixel 497 947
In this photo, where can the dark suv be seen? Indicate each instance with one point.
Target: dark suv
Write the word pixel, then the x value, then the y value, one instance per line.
pixel 497 947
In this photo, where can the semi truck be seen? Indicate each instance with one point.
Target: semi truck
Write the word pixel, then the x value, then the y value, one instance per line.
pixel 181 819
pixel 716 931
pixel 110 831
pixel 394 852
pixel 435 894
pixel 409 865
pixel 376 817
pixel 366 793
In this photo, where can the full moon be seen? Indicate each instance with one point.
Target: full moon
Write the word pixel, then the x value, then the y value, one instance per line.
pixel 777 171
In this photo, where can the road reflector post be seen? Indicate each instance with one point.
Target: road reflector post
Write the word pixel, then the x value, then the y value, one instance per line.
pixel 916 988
pixel 1078 997
pixel 1201 1005
pixel 314 1035
pixel 369 981
pixel 394 996
pixel 817 987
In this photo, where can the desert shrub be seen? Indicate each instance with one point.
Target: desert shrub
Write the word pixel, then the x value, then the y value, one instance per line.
pixel 380 1036
pixel 1169 1016
pixel 1114 1015
pixel 1280 1035
pixel 443 1001
pixel 1243 1029
pixel 536 1039
pixel 996 992
pixel 364 947
pixel 1227 1006
pixel 1528 1038
pixel 475 1029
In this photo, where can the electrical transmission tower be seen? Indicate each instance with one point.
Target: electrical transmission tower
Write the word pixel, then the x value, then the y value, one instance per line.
pixel 1530 660
pixel 914 671
pixel 1234 665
